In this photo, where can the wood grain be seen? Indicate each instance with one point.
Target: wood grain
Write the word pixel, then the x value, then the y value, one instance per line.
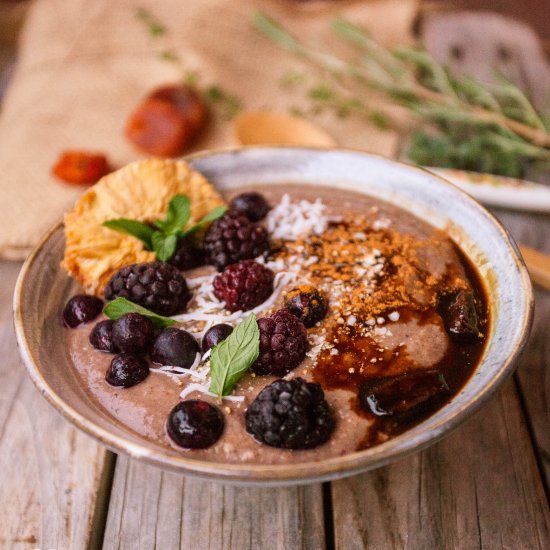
pixel 153 509
pixel 478 488
pixel 50 474
pixel 533 374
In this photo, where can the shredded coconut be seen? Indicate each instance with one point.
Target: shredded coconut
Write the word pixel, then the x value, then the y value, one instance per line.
pixel 291 220
pixel 203 388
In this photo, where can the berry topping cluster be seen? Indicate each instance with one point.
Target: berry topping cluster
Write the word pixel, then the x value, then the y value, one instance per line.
pixel 291 414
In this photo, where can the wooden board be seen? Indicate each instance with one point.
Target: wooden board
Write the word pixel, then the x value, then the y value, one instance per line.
pixel 478 488
pixel 50 474
pixel 154 509
pixel 533 375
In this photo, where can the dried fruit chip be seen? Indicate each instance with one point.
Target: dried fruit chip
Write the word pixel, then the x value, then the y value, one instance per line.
pixel 139 191
pixel 80 167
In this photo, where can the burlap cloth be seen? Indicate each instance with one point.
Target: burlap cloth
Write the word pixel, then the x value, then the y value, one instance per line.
pixel 83 66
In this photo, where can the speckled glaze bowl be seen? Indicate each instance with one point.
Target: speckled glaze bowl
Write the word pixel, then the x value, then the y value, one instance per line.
pixel 43 288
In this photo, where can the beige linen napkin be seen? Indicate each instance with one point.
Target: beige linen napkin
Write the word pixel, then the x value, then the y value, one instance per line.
pixel 83 66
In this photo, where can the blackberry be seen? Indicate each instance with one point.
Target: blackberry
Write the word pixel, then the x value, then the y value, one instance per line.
pixel 252 205
pixel 307 303
pixel 127 370
pixel 215 335
pixel 233 238
pixel 283 344
pixel 175 347
pixel 81 309
pixel 158 286
pixel 195 424
pixel 187 255
pixel 292 414
pixel 101 337
pixel 133 333
pixel 244 286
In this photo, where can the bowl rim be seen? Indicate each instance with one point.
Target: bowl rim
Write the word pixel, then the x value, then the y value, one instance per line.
pixel 289 473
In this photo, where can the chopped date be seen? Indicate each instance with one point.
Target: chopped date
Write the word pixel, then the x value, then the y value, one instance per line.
pixel 401 394
pixel 459 314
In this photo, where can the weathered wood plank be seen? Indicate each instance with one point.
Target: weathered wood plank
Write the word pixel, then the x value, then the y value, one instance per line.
pixel 533 373
pixel 478 488
pixel 154 509
pixel 49 472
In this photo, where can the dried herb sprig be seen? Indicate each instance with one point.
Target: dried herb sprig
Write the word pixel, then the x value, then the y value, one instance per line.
pixel 228 104
pixel 462 122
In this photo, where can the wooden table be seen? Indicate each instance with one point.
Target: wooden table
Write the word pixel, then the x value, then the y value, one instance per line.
pixel 486 485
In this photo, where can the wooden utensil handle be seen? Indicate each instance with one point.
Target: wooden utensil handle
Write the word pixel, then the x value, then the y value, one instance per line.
pixel 538 265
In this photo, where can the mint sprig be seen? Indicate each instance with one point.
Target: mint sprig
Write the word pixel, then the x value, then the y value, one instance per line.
pixel 120 306
pixel 162 237
pixel 232 357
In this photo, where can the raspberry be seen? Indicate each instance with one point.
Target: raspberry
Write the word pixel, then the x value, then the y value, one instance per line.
pixel 187 255
pixel 307 303
pixel 158 286
pixel 233 238
pixel 244 286
pixel 283 344
pixel 252 205
pixel 292 414
pixel 195 424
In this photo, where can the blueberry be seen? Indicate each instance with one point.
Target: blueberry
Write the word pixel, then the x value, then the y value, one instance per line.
pixel 252 205
pixel 307 303
pixel 195 424
pixel 215 335
pixel 101 337
pixel 133 333
pixel 187 255
pixel 127 370
pixel 175 347
pixel 81 309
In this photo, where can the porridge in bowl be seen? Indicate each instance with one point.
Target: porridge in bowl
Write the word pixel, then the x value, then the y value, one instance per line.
pixel 271 324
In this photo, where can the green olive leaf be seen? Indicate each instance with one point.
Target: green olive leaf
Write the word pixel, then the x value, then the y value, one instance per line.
pixel 232 357
pixel 120 306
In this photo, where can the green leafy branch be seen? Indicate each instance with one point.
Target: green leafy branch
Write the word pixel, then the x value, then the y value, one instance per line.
pixel 162 236
pixel 453 112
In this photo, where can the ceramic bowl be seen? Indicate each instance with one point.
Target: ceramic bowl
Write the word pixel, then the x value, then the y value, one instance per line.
pixel 43 288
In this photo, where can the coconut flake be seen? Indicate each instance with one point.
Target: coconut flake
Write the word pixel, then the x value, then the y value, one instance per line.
pixel 291 220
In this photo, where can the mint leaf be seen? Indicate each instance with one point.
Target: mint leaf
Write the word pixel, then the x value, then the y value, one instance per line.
pixel 213 215
pixel 232 357
pixel 120 306
pixel 134 228
pixel 179 212
pixel 164 245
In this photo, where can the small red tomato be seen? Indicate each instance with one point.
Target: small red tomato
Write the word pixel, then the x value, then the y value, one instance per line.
pixel 80 167
pixel 166 122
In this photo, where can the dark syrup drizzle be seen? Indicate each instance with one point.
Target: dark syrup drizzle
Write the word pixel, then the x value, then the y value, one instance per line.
pixel 457 365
